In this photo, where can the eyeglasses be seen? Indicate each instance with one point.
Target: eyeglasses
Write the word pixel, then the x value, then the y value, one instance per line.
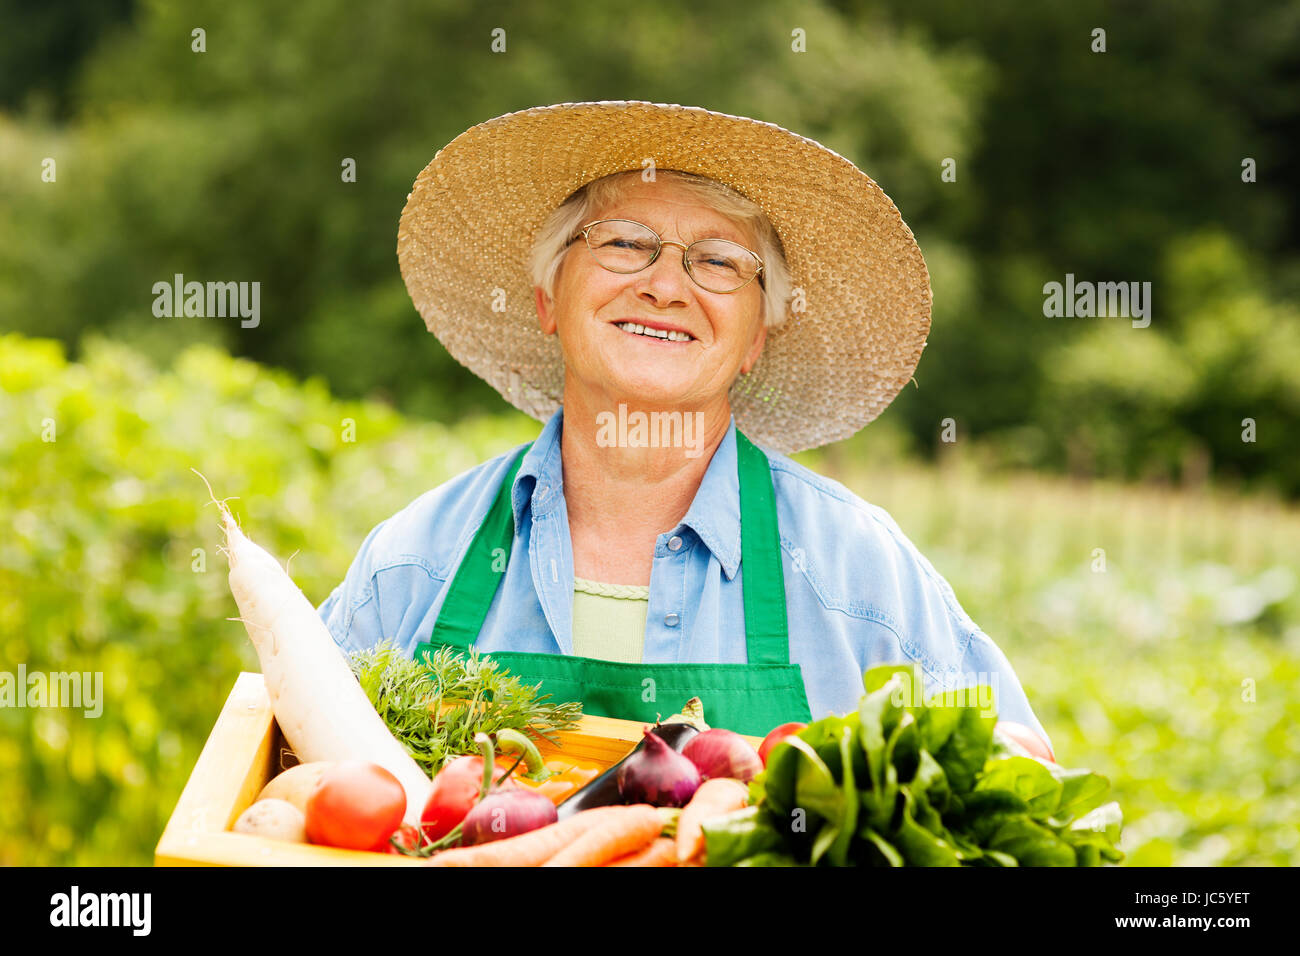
pixel 626 246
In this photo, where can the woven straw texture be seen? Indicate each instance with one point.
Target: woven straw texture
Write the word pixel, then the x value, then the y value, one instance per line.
pixel 469 222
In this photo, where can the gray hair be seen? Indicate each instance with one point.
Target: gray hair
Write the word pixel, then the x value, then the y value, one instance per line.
pixel 565 220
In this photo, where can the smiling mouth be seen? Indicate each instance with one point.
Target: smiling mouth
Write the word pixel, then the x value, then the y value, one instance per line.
pixel 663 335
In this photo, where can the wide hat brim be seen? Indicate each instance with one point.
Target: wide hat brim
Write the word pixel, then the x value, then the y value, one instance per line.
pixel 861 310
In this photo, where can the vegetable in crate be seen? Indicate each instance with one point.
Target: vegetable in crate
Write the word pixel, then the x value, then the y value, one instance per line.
pixel 274 819
pixel 296 784
pixel 503 810
pixel 715 797
pixel 357 806
pixel 719 753
pixel 677 731
pixel 318 703
pixel 529 849
pixel 436 705
pixel 775 736
pixel 922 785
pixel 657 775
pixel 506 813
pixel 463 782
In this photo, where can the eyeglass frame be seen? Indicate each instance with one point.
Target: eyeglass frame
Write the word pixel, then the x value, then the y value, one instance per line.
pixel 670 242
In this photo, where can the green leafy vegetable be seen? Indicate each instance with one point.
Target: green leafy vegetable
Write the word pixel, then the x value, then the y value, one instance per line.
pixel 909 781
pixel 437 705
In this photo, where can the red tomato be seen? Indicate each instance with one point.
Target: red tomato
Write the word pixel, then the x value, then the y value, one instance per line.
pixel 407 836
pixel 356 805
pixel 1027 738
pixel 776 736
pixel 453 794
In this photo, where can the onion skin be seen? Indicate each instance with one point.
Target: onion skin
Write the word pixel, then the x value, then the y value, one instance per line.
pixel 506 813
pixel 603 791
pixel 657 775
pixel 723 753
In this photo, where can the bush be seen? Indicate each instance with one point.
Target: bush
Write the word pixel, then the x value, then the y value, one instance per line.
pixel 1219 355
pixel 111 565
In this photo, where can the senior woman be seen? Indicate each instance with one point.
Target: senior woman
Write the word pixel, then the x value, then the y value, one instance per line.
pixel 684 298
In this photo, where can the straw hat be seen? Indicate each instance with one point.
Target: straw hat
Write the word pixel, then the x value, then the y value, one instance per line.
pixel 468 226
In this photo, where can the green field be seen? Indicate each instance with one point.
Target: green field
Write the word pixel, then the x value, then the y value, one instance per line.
pixel 1172 671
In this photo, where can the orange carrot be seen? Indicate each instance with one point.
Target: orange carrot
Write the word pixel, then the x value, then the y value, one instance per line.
pixel 662 852
pixel 528 849
pixel 714 798
pixel 619 835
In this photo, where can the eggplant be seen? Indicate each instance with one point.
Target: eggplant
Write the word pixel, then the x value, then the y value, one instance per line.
pixel 603 791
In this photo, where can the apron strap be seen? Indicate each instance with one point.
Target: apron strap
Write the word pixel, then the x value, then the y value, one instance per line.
pixel 767 636
pixel 479 575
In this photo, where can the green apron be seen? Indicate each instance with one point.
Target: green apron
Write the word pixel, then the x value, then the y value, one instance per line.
pixel 749 698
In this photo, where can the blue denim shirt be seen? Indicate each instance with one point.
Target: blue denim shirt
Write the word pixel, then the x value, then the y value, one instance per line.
pixel 858 593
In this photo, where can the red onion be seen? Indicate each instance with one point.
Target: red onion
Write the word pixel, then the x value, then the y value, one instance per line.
pixel 723 753
pixel 506 813
pixel 658 775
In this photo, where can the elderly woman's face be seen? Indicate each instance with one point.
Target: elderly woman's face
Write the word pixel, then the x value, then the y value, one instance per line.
pixel 726 330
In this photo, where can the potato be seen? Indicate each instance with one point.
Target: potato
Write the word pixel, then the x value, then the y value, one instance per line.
pixel 296 784
pixel 275 820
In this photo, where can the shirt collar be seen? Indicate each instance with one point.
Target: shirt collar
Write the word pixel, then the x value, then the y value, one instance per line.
pixel 714 514
pixel 539 483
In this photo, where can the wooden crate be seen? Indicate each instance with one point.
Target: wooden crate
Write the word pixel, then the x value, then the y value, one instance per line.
pixel 246 749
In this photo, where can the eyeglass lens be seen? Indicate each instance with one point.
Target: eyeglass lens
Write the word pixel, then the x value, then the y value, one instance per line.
pixel 718 265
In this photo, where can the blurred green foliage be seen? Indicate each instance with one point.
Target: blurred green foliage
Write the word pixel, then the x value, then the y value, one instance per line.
pixel 1139 671
pixel 109 562
pixel 225 165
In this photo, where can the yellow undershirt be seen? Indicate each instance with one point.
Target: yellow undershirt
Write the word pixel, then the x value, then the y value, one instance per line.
pixel 609 620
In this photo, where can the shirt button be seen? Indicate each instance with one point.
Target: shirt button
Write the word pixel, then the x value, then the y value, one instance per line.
pixel 671 620
pixel 674 544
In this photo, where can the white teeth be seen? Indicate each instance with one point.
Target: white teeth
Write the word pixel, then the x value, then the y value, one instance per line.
pixel 654 333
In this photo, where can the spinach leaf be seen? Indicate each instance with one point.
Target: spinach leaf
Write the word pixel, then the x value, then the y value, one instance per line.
pixel 839 849
pixel 1032 844
pixel 918 845
pixel 1028 779
pixel 770 858
pixel 1082 791
pixel 937 722
pixel 967 748
pixel 878 846
pixel 815 790
pixel 931 782
pixel 735 836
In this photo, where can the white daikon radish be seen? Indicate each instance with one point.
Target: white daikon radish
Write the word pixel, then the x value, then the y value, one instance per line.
pixel 322 710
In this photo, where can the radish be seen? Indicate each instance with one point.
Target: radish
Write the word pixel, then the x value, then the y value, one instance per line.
pixel 320 707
